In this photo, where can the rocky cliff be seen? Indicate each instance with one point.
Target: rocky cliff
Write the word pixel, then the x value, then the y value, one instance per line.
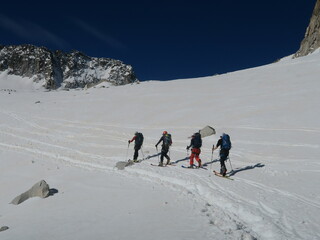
pixel 54 69
pixel 311 41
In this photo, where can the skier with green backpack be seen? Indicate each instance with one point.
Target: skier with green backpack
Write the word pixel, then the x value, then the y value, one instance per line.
pixel 166 143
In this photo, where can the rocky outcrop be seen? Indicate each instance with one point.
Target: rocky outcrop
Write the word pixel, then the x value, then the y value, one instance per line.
pixel 40 189
pixel 54 69
pixel 311 41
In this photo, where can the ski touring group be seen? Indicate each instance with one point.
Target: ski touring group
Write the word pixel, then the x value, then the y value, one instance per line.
pixel 224 143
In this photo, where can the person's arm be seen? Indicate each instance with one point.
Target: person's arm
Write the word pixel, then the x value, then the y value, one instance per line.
pixel 134 138
pixel 218 144
pixel 161 139
pixel 191 144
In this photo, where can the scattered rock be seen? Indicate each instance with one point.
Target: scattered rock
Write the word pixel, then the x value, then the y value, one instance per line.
pixel 121 165
pixel 4 228
pixel 40 189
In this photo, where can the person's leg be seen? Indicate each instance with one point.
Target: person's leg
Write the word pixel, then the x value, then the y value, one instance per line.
pixel 161 158
pixel 223 169
pixel 223 158
pixel 168 158
pixel 198 160
pixel 191 158
pixel 136 154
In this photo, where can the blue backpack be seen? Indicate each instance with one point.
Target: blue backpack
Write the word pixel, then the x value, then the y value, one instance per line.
pixel 226 143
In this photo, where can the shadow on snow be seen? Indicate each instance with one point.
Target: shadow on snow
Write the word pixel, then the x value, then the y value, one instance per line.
pixel 233 172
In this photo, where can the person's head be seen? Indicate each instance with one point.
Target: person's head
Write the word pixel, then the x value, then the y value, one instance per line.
pixel 165 132
pixel 136 133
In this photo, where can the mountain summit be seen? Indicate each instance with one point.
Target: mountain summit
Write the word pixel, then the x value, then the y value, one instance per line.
pixel 54 69
pixel 311 41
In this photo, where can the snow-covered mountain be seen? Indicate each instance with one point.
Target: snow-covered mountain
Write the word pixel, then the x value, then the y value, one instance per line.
pixel 54 69
pixel 73 140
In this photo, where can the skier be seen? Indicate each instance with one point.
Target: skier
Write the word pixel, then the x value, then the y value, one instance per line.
pixel 225 145
pixel 138 141
pixel 196 143
pixel 166 143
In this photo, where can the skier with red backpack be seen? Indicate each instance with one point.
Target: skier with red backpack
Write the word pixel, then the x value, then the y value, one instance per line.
pixel 196 143
pixel 166 143
pixel 138 141
pixel 225 145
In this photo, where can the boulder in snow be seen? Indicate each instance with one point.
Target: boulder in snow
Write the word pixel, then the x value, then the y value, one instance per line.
pixel 40 189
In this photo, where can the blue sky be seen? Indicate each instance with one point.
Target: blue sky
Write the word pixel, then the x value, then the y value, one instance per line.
pixel 163 40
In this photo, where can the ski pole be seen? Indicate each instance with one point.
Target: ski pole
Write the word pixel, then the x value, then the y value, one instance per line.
pixel 230 164
pixel 142 153
pixel 211 160
pixel 127 151
pixel 158 155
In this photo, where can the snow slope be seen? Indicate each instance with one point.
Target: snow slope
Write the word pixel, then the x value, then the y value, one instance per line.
pixel 74 139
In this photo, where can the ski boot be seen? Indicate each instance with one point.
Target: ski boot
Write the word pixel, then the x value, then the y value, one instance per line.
pixel 223 171
pixel 200 165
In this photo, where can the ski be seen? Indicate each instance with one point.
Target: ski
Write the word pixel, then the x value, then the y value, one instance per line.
pixel 134 161
pixel 138 160
pixel 170 164
pixel 220 175
pixel 194 167
pixel 157 165
pixel 165 165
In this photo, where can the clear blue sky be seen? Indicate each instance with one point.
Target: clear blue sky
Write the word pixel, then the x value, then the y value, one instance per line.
pixel 164 39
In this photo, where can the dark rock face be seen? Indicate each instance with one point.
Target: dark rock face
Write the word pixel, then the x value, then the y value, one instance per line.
pixel 58 69
pixel 311 41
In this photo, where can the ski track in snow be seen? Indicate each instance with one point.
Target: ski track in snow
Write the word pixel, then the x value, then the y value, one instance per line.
pixel 221 204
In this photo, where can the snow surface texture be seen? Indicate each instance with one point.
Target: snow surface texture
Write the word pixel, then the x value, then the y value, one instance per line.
pixel 74 140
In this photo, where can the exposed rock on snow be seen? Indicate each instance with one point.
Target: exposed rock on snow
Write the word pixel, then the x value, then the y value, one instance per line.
pixel 54 69
pixel 40 189
pixel 121 165
pixel 4 228
pixel 311 41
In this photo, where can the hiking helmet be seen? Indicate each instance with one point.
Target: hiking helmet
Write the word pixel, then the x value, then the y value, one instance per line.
pixel 165 132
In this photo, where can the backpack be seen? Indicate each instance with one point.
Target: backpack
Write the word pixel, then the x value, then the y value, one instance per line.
pixel 226 143
pixel 167 141
pixel 139 139
pixel 197 141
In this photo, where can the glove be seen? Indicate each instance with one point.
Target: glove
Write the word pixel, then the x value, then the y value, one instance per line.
pixel 156 145
pixel 128 141
pixel 188 148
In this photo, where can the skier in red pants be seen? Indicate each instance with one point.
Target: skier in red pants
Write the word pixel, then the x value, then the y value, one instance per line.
pixel 196 143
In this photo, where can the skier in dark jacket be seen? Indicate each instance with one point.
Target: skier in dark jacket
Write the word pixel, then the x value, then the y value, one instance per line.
pixel 196 143
pixel 166 143
pixel 224 154
pixel 138 141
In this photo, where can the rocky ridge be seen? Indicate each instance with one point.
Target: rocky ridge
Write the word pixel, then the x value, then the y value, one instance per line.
pixel 311 41
pixel 55 69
